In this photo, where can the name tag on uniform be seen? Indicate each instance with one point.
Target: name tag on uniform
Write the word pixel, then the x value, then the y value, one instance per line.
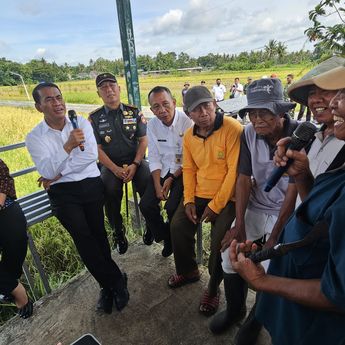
pixel 131 121
pixel 104 125
pixel 162 140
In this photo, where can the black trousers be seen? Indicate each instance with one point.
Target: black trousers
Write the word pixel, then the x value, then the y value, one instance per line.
pixel 79 208
pixel 114 192
pixel 13 246
pixel 150 207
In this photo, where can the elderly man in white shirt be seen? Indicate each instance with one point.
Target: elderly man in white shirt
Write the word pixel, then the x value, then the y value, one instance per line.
pixel 165 134
pixel 66 159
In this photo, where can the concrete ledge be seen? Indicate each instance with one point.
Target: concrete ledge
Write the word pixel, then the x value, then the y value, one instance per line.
pixel 155 314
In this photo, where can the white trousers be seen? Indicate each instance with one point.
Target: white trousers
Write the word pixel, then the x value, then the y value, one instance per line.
pixel 257 225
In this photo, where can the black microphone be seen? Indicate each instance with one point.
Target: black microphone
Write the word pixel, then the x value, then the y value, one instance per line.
pixel 300 138
pixel 74 120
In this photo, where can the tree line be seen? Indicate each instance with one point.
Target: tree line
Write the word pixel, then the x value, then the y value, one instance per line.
pixel 39 69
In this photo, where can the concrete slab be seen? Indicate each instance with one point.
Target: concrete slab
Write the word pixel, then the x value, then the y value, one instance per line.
pixel 156 314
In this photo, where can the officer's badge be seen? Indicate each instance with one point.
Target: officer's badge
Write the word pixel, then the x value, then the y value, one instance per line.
pixel 130 112
pixel 107 139
pixel 178 158
pixel 125 113
pixel 220 155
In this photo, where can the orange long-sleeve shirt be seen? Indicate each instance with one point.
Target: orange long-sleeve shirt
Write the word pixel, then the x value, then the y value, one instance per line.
pixel 210 164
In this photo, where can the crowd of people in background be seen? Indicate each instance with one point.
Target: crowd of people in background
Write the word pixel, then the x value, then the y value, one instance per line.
pixel 202 166
pixel 237 89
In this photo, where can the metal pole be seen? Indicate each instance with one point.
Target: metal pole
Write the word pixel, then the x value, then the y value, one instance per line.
pixel 128 51
pixel 21 78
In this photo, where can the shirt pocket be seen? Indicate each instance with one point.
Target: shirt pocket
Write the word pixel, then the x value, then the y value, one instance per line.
pixel 218 165
pixel 129 127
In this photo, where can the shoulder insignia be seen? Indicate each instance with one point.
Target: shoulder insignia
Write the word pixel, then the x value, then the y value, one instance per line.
pixel 95 111
pixel 130 106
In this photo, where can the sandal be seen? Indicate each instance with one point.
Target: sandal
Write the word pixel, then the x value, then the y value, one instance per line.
pixel 178 280
pixel 209 305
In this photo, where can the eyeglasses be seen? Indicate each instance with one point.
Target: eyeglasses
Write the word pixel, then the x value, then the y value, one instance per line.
pixel 263 114
pixel 157 107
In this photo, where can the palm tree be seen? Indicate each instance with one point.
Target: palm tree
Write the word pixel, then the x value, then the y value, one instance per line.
pixel 281 50
pixel 271 48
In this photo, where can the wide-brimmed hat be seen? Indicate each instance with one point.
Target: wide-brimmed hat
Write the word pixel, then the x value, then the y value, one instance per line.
pixel 195 96
pixel 299 90
pixel 331 80
pixel 105 77
pixel 267 94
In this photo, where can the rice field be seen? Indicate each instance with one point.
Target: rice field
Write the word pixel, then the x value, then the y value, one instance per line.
pixel 85 91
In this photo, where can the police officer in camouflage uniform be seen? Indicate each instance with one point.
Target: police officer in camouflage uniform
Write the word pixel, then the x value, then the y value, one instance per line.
pixel 120 132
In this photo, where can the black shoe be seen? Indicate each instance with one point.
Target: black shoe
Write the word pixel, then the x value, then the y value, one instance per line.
pixel 26 311
pixel 249 331
pixel 236 294
pixel 121 295
pixel 147 236
pixel 105 301
pixel 167 250
pixel 120 241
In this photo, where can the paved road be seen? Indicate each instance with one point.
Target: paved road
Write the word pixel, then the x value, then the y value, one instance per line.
pixel 84 108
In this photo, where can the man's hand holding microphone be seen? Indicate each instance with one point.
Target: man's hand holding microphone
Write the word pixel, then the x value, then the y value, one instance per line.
pixel 76 137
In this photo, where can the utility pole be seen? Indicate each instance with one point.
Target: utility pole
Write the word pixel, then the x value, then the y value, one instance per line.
pixel 128 51
pixel 21 78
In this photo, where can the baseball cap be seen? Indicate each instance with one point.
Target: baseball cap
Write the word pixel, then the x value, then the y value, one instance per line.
pixel 195 96
pixel 299 90
pixel 105 77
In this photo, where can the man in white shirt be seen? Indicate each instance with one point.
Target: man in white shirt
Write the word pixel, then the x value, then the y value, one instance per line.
pixel 218 91
pixel 165 133
pixel 75 189
pixel 236 89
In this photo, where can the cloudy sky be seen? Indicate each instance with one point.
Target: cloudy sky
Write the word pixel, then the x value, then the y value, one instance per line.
pixel 77 31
